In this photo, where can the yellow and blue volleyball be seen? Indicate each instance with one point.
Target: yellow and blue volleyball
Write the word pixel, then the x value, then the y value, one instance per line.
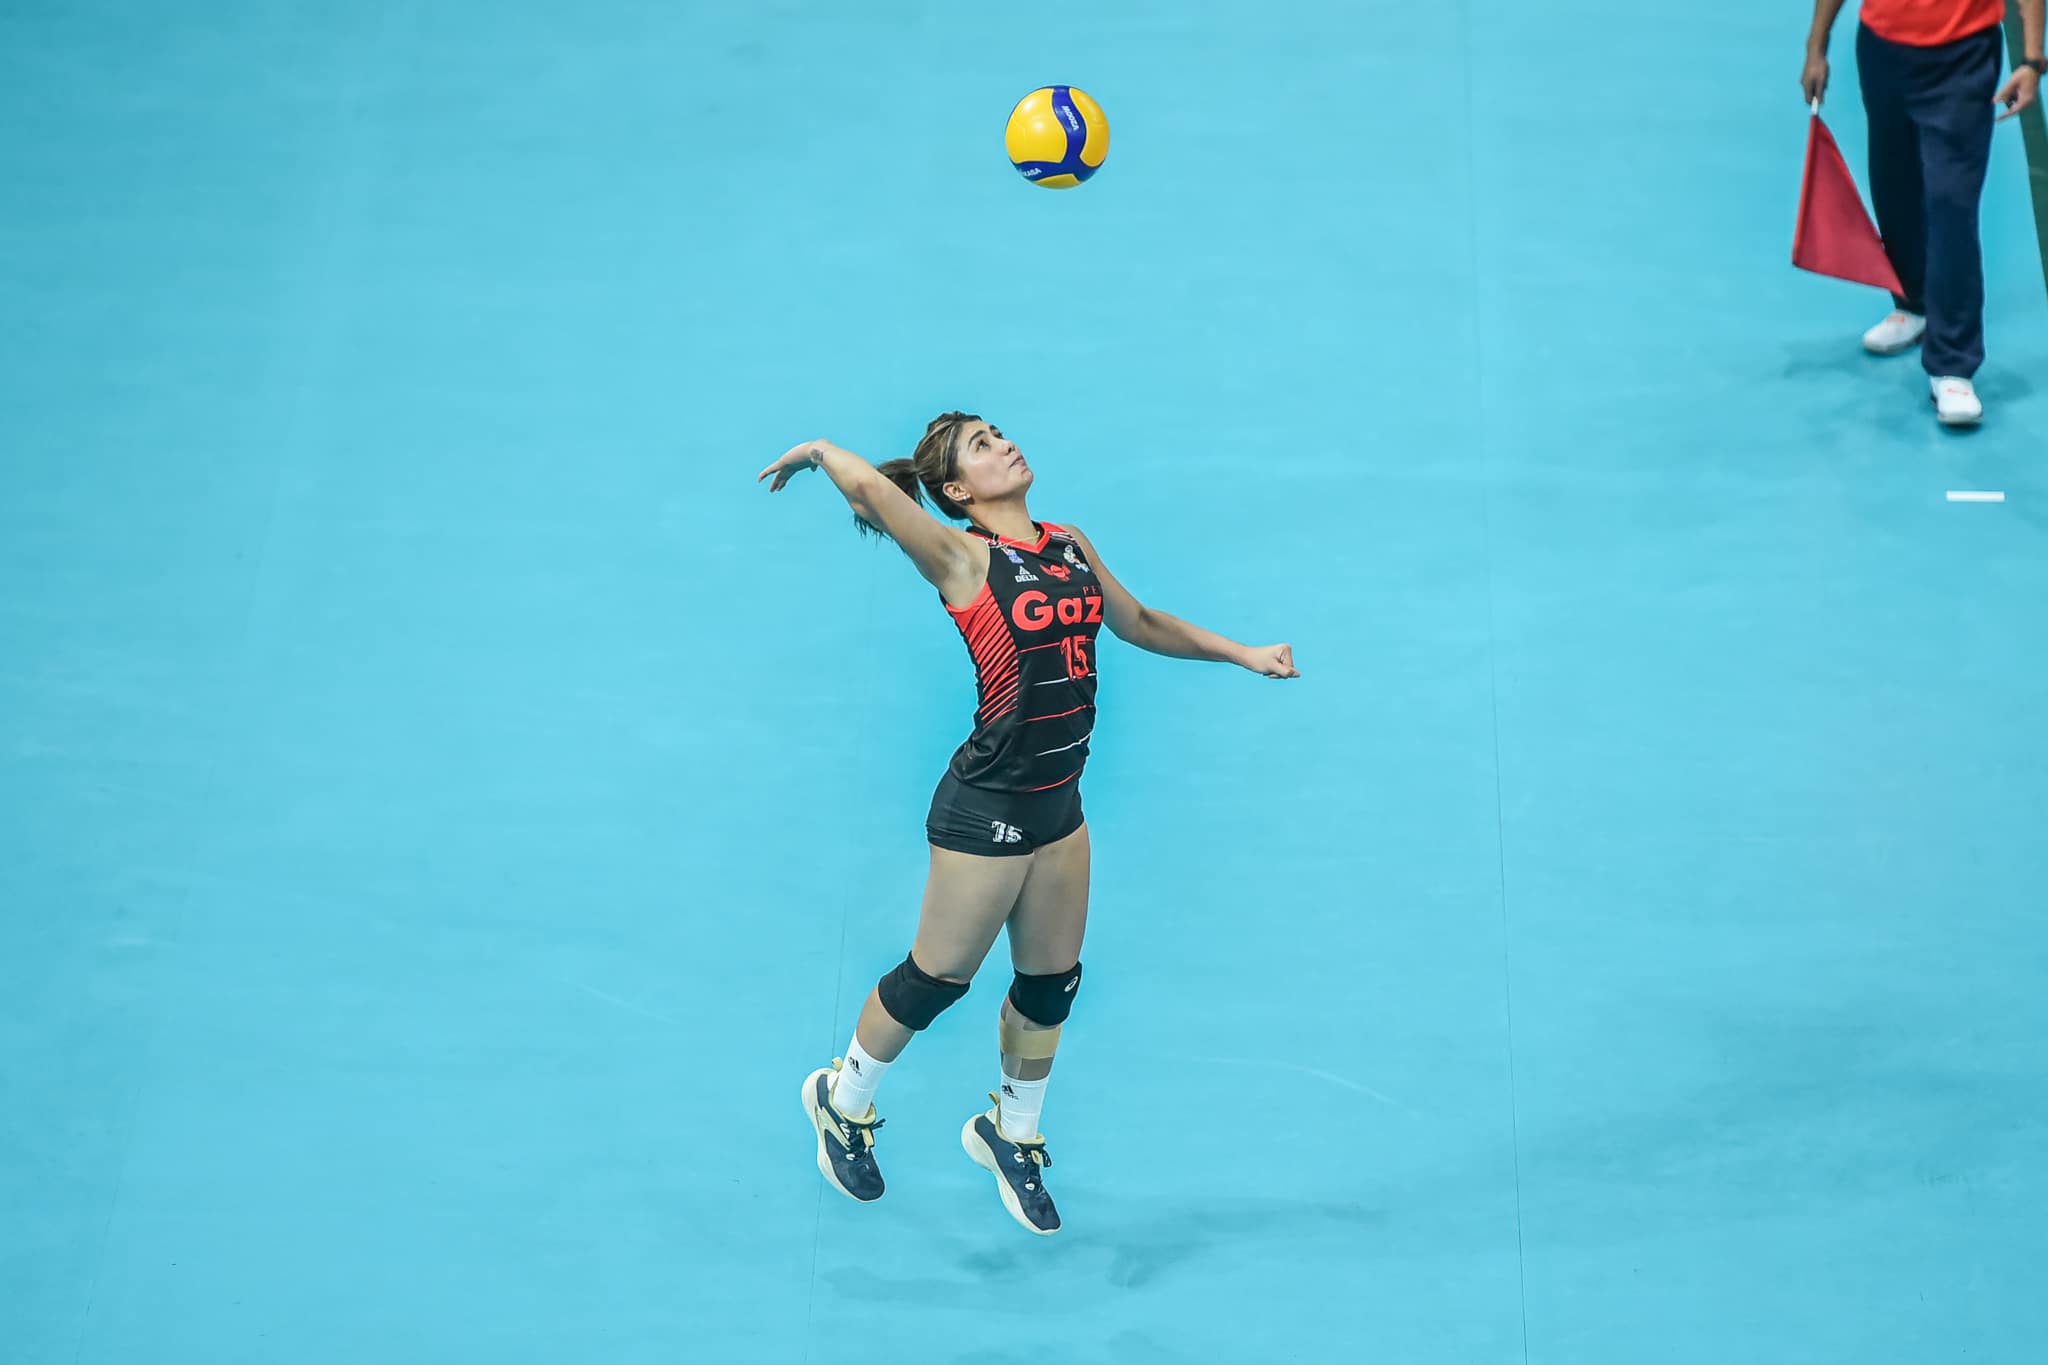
pixel 1057 137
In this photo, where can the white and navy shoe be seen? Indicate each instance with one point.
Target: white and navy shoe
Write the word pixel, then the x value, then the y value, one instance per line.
pixel 1955 401
pixel 1896 335
pixel 846 1147
pixel 1019 1169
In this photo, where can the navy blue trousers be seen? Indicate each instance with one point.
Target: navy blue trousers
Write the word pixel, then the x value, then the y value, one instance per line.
pixel 1930 117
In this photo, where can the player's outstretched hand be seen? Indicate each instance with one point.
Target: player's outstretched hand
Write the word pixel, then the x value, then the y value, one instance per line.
pixel 1273 661
pixel 805 456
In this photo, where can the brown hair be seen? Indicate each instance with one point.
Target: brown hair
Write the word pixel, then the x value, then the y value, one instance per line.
pixel 934 464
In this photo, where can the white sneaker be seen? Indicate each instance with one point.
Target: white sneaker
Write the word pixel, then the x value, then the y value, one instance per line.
pixel 1019 1169
pixel 1955 402
pixel 1896 335
pixel 846 1147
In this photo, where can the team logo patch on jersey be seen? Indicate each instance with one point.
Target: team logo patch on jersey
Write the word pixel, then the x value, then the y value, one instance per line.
pixel 1059 571
pixel 1075 560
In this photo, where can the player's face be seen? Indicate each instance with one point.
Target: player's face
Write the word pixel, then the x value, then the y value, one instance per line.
pixel 990 466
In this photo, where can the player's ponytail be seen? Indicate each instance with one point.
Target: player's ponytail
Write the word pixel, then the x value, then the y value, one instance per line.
pixel 902 473
pixel 933 465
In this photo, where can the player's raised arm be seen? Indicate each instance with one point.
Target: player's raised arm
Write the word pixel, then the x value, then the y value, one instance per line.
pixel 885 500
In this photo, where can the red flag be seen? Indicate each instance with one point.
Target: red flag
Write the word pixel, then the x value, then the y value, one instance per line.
pixel 1834 236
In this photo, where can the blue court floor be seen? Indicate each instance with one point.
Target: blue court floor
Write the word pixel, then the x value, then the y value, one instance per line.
pixel 446 805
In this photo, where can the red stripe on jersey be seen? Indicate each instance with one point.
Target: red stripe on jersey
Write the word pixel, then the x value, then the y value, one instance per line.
pixel 994 653
pixel 997 707
pixel 1061 783
pixel 987 594
pixel 985 631
pixel 1029 719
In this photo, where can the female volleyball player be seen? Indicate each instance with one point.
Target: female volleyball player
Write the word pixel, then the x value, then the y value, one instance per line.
pixel 1009 845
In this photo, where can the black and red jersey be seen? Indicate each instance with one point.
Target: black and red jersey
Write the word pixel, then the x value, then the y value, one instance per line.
pixel 1032 635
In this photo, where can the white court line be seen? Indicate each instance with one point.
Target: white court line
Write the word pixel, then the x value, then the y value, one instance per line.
pixel 626 1005
pixel 1964 495
pixel 1276 1064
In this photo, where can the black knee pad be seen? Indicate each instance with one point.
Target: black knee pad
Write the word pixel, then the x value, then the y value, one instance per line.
pixel 1046 1000
pixel 914 998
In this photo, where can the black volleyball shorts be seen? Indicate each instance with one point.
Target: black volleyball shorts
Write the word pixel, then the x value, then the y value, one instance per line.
pixel 996 824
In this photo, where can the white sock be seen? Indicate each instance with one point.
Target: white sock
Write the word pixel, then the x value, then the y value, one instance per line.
pixel 853 1089
pixel 1020 1104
